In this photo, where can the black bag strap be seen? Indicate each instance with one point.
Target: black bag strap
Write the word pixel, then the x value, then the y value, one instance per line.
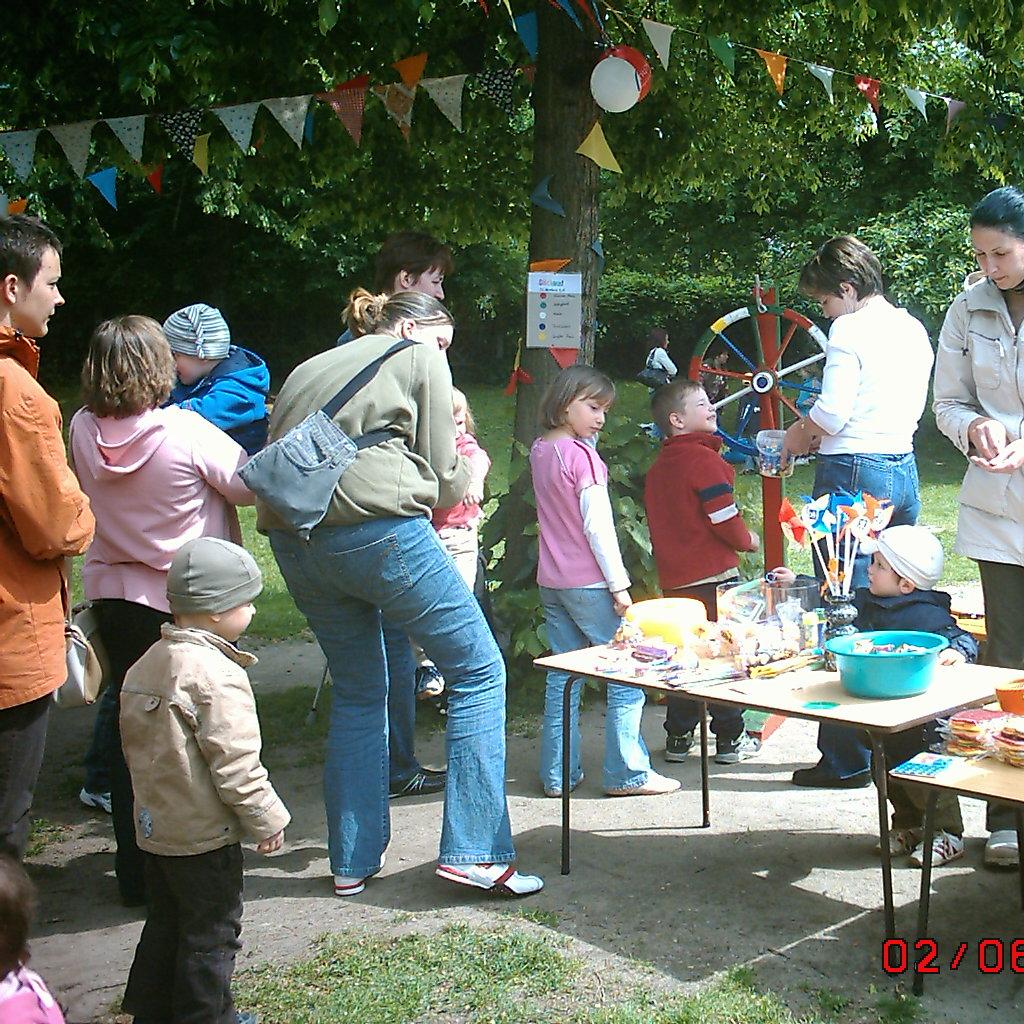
pixel 360 380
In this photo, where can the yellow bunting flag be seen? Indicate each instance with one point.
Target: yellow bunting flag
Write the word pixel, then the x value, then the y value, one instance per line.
pixel 201 153
pixel 410 69
pixel 595 146
pixel 776 64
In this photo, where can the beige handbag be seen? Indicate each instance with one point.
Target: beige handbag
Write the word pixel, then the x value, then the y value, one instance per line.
pixel 83 656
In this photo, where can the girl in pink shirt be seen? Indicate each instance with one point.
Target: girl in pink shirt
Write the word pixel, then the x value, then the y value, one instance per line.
pixel 583 584
pixel 458 528
pixel 24 998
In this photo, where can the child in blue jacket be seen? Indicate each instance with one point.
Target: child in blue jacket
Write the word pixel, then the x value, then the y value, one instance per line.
pixel 224 383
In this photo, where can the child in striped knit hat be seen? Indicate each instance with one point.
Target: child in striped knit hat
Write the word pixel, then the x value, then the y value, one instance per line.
pixel 226 384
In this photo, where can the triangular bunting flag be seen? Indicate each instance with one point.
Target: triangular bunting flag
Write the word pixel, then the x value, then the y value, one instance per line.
pixel 598 248
pixel 823 75
pixel 917 99
pixel 238 121
pixel 20 150
pixel 661 38
pixel 307 130
pixel 183 129
pixel 566 6
pixel 723 50
pixel 131 133
pixel 74 139
pixel 447 94
pixel 526 26
pixel 347 101
pixel 776 64
pixel 156 178
pixel 410 69
pixel 869 87
pixel 105 182
pixel 201 152
pixel 496 85
pixel 595 146
pixel 549 266
pixel 564 356
pixel 541 196
pixel 290 112
pixel 953 111
pixel 17 206
pixel 397 100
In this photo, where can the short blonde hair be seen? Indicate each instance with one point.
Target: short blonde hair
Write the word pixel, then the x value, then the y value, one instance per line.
pixel 129 367
pixel 460 401
pixel 577 381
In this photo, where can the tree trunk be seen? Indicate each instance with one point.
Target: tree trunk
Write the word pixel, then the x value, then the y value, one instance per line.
pixel 564 112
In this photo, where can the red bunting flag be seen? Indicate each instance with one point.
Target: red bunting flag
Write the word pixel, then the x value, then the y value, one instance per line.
pixel 869 87
pixel 347 101
pixel 776 64
pixel 156 178
pixel 517 377
pixel 564 356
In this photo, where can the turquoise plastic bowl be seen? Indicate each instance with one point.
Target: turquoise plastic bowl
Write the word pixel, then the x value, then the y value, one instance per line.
pixel 885 676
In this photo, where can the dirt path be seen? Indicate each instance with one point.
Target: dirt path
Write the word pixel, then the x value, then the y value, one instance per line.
pixel 785 880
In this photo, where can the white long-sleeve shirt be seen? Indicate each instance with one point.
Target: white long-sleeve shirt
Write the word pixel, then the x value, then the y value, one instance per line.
pixel 657 359
pixel 875 383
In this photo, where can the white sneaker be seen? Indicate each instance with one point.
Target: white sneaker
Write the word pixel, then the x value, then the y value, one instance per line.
pixel 656 785
pixel 1001 849
pixel 497 878
pixel 352 885
pixel 946 847
pixel 101 801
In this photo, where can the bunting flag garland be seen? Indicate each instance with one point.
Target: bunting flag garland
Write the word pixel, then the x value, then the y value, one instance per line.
pixel 130 132
pixel 526 27
pixel 201 153
pixel 869 87
pixel 347 101
pixel 953 111
pixel 496 85
pixel 596 147
pixel 916 98
pixel 105 182
pixel 776 65
pixel 290 114
pixel 823 75
pixel 566 6
pixel 20 150
pixel 183 129
pixel 447 94
pixel 156 178
pixel 724 51
pixel 541 196
pixel 661 38
pixel 74 139
pixel 397 100
pixel 239 120
pixel 410 69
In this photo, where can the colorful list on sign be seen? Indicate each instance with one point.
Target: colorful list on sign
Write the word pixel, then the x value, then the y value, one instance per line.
pixel 554 310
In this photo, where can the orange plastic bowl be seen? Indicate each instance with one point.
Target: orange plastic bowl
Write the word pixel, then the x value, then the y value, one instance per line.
pixel 1011 696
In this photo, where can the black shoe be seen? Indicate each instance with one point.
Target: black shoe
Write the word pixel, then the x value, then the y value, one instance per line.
pixel 677 747
pixel 425 781
pixel 821 778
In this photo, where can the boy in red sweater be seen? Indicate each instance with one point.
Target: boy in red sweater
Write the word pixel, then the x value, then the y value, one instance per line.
pixel 696 532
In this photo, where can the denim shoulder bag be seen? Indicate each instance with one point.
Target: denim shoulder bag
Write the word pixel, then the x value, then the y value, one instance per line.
pixel 296 475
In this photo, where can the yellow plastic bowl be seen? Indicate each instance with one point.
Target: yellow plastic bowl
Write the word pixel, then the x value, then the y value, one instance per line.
pixel 670 618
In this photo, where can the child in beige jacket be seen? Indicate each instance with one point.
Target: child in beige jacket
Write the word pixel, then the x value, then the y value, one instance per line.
pixel 192 742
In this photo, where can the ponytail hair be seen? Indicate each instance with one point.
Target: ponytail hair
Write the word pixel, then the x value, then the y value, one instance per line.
pixel 380 314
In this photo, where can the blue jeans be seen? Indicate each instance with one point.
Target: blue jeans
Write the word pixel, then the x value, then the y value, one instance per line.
pixel 345 579
pixel 402 763
pixel 844 751
pixel 579 618
pixel 97 757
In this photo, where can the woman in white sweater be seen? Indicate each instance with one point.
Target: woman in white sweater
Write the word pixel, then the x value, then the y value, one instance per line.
pixel 874 389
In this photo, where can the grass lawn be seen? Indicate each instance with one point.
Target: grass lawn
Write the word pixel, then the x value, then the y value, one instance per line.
pixel 510 974
pixel 941 468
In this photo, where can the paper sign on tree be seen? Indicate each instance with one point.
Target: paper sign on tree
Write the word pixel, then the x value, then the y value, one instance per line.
pixel 554 310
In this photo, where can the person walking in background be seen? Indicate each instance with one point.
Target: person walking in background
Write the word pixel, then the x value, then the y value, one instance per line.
pixel 44 519
pixel 873 393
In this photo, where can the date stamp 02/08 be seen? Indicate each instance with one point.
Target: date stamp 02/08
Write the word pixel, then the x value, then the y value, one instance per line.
pixel 990 956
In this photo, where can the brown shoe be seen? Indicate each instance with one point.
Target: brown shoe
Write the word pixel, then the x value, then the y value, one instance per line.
pixel 656 785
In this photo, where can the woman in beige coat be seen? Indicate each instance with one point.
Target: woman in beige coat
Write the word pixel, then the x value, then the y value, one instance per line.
pixel 979 406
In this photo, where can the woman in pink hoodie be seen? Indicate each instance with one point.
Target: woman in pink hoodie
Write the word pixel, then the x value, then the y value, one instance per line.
pixel 156 478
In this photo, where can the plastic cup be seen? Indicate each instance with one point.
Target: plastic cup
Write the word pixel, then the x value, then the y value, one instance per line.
pixel 769 454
